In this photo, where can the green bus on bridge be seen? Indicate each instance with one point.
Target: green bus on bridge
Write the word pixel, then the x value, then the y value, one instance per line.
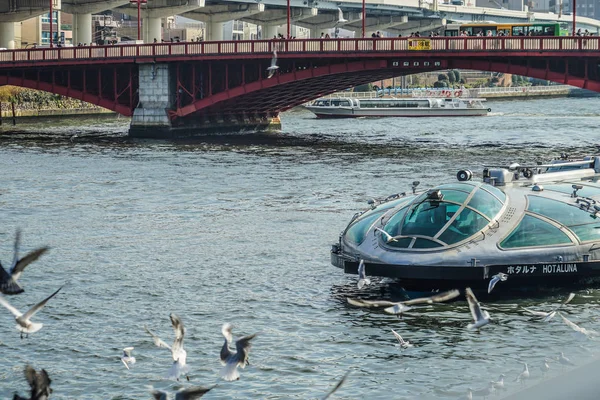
pixel 507 29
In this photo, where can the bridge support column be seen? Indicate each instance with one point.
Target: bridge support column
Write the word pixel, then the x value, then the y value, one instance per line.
pixel 156 96
pixel 215 31
pixel 152 29
pixel 82 28
pixel 7 35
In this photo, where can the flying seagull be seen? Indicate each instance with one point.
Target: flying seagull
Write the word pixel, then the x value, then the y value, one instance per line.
pixel 39 383
pixel 547 316
pixel 341 18
pixel 388 237
pixel 232 360
pixel 191 393
pixel 362 276
pixel 480 317
pixel 274 67
pixel 179 355
pixel 500 276
pixel 403 306
pixel 403 343
pixel 8 280
pixel 337 386
pixel 577 328
pixel 24 325
pixel 127 358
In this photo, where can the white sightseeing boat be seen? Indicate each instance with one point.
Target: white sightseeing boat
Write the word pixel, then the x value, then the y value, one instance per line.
pixel 340 107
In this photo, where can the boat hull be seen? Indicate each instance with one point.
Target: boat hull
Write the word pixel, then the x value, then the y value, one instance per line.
pixel 322 112
pixel 425 278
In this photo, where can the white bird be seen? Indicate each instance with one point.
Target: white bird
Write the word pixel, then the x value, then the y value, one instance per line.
pixel 8 280
pixel 39 382
pixel 480 317
pixel 523 375
pixel 404 306
pixel 388 237
pixel 127 358
pixel 232 360
pixel 499 384
pixel 179 355
pixel 362 276
pixel 500 276
pixel 544 367
pixel 337 386
pixel 547 316
pixel 469 395
pixel 341 18
pixel 24 324
pixel 403 343
pixel 274 67
pixel 577 328
pixel 190 393
pixel 564 360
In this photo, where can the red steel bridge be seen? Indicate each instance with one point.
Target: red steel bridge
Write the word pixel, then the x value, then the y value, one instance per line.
pixel 206 85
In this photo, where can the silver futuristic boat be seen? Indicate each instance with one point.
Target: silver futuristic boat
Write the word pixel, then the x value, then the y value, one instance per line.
pixel 538 224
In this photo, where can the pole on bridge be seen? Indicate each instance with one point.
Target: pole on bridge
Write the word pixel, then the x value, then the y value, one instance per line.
pixel 51 23
pixel 574 12
pixel 364 16
pixel 288 20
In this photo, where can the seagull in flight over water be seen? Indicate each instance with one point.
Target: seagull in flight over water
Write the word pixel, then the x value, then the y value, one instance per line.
pixel 577 328
pixel 127 358
pixel 403 343
pixel 404 306
pixel 341 18
pixel 232 360
pixel 39 383
pixel 8 280
pixel 191 393
pixel 337 386
pixel 274 67
pixel 547 316
pixel 480 317
pixel 499 277
pixel 24 324
pixel 179 355
pixel 362 276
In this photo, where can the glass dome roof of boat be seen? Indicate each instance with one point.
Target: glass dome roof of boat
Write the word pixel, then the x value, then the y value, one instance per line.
pixel 445 215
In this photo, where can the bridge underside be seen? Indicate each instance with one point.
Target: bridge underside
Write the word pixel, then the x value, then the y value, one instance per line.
pixel 214 94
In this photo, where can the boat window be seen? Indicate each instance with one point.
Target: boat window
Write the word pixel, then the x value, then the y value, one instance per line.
pixel 395 222
pixel 466 224
pixel 421 243
pixel 532 231
pixel 485 203
pixel 387 206
pixel 587 191
pixel 356 233
pixel 345 103
pixel 455 196
pixel 401 243
pixel 495 191
pixel 587 232
pixel 425 218
pixel 467 187
pixel 564 213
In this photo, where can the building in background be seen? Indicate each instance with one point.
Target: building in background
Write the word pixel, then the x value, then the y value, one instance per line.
pixel 35 31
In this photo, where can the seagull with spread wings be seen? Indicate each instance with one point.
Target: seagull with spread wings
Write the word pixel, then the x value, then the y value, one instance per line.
pixel 499 277
pixel 127 359
pixel 24 324
pixel 362 276
pixel 388 237
pixel 404 306
pixel 179 366
pixel 274 67
pixel 39 383
pixel 8 279
pixel 547 316
pixel 190 393
pixel 480 317
pixel 233 360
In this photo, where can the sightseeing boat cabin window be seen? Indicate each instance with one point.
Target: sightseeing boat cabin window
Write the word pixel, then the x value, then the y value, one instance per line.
pixel 532 232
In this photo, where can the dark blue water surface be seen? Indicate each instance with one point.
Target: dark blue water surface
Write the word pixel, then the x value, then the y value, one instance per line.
pixel 238 230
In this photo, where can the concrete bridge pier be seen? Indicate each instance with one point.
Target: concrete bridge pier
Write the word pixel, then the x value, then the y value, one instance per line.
pixel 7 35
pixel 152 118
pixel 214 31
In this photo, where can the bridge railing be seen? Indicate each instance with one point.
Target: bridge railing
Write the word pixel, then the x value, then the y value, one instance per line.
pixel 416 45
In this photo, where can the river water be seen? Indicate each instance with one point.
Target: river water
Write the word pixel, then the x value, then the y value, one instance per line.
pixel 239 230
